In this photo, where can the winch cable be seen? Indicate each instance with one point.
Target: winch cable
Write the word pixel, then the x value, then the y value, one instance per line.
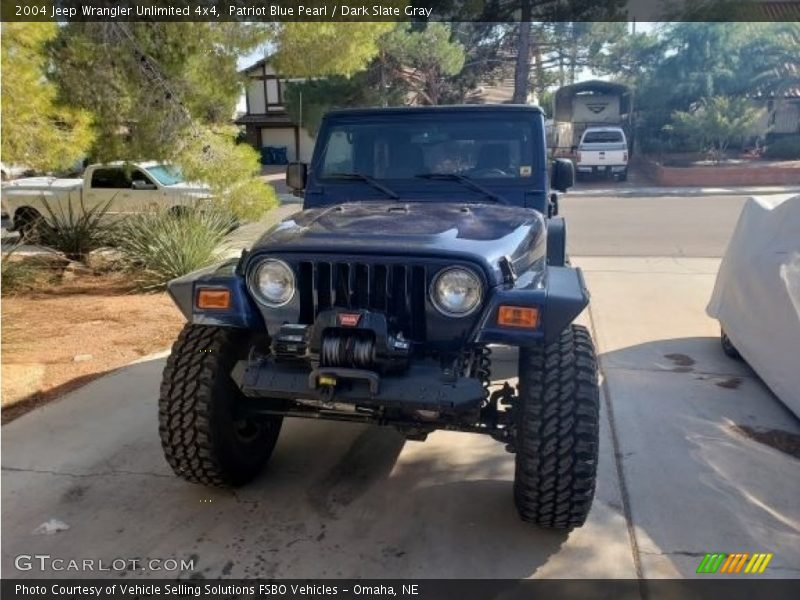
pixel 347 351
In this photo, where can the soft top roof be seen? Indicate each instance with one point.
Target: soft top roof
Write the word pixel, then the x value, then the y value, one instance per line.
pixel 417 110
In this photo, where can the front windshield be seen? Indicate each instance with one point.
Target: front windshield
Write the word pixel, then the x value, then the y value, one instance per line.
pixel 166 174
pixel 405 148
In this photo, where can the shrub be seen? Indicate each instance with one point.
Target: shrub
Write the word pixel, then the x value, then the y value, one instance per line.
pixel 75 231
pixel 18 274
pixel 787 148
pixel 716 123
pixel 159 246
pixel 231 170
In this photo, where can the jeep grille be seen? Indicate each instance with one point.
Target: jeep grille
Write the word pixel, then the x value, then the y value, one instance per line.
pixel 396 286
pixel 395 289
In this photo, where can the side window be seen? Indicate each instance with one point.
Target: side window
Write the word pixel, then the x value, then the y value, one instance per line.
pixel 338 154
pixel 110 179
pixel 137 175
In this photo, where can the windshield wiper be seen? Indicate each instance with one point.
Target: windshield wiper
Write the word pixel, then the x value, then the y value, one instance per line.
pixel 466 181
pixel 366 179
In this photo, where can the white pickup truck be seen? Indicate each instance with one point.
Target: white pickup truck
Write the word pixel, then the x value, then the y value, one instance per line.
pixel 130 187
pixel 603 150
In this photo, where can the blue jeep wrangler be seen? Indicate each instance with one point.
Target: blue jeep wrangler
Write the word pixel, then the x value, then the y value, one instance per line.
pixel 427 236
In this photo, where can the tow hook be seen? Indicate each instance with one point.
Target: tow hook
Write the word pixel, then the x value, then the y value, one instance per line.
pixel 327 388
pixel 505 396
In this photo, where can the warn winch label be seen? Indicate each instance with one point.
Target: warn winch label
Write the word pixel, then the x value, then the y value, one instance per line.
pixel 349 319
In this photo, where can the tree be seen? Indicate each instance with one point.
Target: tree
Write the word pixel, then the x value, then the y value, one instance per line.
pixel 169 90
pixel 318 49
pixel 716 122
pixel 522 68
pixel 553 14
pixel 151 89
pixel 775 61
pixel 149 84
pixel 694 61
pixel 630 57
pixel 38 131
pixel 424 59
pixel 410 66
pixel 775 58
pixel 307 101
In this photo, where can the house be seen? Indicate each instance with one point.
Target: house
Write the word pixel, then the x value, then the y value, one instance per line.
pixel 268 127
pixel 781 117
pixel 499 91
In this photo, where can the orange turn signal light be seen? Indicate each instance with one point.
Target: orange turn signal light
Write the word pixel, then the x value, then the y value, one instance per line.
pixel 518 316
pixel 213 298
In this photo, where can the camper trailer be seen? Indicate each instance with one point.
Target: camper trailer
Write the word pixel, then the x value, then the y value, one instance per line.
pixel 580 106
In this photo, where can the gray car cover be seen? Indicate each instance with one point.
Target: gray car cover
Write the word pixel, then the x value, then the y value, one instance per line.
pixel 757 293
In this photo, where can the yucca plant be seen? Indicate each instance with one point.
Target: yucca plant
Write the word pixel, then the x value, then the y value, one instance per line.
pixel 75 230
pixel 161 245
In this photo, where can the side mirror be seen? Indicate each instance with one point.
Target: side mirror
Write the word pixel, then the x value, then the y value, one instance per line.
pixel 296 175
pixel 141 184
pixel 563 176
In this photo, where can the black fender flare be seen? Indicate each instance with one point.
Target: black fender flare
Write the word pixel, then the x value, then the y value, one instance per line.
pixel 556 242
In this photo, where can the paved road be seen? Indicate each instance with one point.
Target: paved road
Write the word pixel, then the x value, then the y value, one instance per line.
pixel 649 225
pixel 676 479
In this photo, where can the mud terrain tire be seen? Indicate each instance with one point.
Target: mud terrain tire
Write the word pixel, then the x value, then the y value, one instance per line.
pixel 203 441
pixel 557 429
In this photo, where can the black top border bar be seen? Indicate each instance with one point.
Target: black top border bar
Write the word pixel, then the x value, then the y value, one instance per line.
pixel 401 10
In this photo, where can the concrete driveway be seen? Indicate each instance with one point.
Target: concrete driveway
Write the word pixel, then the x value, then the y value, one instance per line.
pixel 676 477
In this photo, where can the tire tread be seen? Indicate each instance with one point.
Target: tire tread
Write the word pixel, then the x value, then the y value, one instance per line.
pixel 557 431
pixel 195 379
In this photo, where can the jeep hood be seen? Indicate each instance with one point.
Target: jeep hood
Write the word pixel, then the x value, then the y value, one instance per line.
pixel 481 233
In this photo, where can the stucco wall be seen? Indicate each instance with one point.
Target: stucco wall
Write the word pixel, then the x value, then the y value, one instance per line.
pixel 284 136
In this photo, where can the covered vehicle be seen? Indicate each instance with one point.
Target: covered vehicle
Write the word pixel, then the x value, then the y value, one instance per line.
pixel 757 294
pixel 427 235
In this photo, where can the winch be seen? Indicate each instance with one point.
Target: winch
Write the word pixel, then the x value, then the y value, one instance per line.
pixel 348 349
pixel 344 339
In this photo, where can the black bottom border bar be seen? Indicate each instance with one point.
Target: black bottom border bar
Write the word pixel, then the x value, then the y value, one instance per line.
pixel 420 589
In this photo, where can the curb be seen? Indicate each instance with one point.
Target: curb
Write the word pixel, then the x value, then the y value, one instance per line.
pixel 685 191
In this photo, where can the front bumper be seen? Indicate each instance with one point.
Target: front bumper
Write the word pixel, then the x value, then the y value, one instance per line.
pixel 424 386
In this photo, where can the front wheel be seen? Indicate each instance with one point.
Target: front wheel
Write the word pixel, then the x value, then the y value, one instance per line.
pixel 727 346
pixel 203 438
pixel 28 222
pixel 557 431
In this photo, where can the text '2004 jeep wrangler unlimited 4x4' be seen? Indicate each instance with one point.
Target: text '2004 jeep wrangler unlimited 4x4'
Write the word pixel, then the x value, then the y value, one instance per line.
pixel 427 235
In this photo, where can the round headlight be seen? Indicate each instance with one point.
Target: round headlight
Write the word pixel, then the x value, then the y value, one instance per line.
pixel 456 292
pixel 273 282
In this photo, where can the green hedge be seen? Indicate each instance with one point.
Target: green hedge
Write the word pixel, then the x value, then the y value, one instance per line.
pixel 787 148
